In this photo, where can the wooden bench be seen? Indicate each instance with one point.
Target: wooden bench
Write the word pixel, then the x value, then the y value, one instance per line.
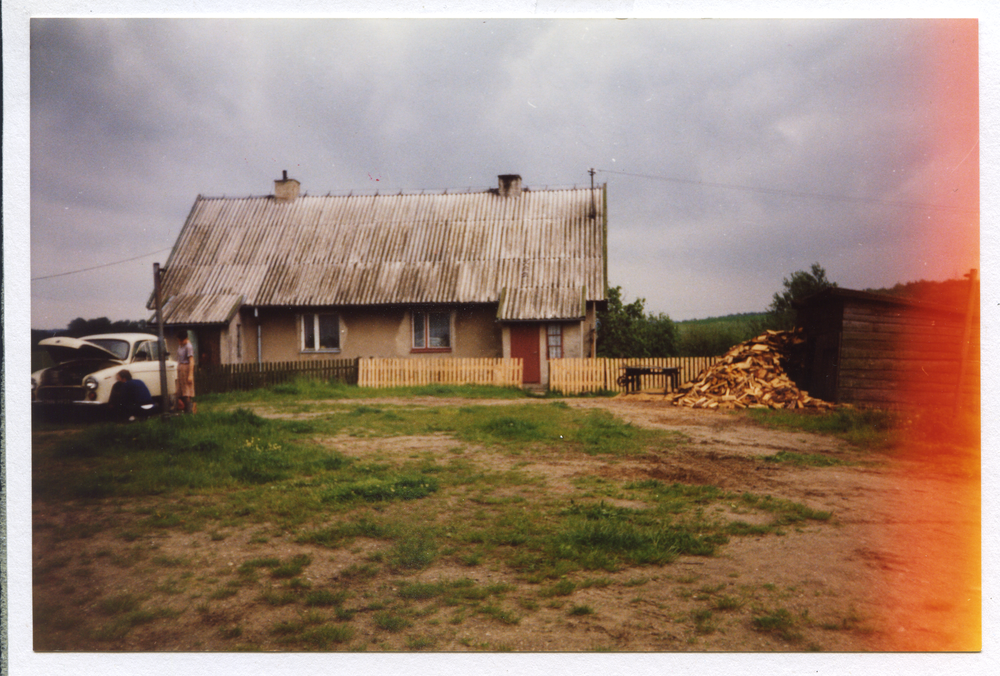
pixel 632 377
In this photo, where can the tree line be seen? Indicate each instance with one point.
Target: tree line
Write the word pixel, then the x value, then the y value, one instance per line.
pixel 80 327
pixel 626 330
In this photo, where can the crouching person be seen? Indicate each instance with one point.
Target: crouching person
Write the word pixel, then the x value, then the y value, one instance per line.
pixel 130 398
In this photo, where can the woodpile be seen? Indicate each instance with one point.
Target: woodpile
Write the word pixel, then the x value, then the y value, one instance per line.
pixel 749 376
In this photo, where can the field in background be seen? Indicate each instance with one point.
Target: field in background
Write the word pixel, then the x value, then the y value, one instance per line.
pixel 714 336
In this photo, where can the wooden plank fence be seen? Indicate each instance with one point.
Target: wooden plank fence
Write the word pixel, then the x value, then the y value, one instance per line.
pixel 574 376
pixel 376 372
pixel 229 377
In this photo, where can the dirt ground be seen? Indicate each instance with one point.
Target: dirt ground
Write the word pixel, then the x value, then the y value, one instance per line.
pixel 896 568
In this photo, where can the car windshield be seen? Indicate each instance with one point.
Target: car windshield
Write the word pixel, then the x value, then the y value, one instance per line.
pixel 119 348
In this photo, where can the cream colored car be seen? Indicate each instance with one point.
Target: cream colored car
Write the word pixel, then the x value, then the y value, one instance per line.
pixel 86 367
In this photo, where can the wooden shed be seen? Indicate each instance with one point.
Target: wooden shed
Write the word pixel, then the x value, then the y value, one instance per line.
pixel 883 351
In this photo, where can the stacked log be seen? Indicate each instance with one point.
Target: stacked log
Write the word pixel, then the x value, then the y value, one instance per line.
pixel 749 375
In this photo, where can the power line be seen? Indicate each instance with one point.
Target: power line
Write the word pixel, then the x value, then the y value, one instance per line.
pixel 792 193
pixel 97 267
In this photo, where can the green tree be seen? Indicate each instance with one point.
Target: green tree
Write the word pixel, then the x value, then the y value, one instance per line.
pixel 781 314
pixel 627 331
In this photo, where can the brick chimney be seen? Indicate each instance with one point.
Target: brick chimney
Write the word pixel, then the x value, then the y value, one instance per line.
pixel 287 189
pixel 510 185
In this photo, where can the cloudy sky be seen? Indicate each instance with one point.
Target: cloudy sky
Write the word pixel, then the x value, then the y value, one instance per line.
pixel 735 151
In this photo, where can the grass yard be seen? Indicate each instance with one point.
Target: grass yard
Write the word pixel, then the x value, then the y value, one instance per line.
pixel 306 518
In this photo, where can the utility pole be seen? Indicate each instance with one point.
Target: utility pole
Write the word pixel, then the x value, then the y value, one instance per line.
pixel 593 204
pixel 164 394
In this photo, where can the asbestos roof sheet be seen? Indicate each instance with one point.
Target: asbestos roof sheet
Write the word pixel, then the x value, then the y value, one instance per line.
pixel 545 303
pixel 201 309
pixel 545 247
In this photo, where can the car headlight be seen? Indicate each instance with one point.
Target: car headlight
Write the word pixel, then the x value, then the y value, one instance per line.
pixel 90 382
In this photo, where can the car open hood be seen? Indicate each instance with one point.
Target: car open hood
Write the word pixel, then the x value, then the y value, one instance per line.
pixel 63 349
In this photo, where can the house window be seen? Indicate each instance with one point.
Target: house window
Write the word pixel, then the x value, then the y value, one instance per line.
pixel 320 332
pixel 239 342
pixel 554 337
pixel 431 331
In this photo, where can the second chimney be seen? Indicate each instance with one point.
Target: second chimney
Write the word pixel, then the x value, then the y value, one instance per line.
pixel 286 189
pixel 510 185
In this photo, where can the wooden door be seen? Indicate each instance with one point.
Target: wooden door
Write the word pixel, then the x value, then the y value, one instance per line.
pixel 524 345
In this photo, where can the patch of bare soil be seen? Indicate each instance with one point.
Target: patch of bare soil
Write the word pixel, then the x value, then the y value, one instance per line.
pixel 896 568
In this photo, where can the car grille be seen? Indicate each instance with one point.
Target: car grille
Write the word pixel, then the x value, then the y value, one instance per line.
pixel 62 394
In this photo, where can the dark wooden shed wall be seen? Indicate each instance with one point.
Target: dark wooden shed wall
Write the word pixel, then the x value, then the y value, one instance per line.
pixel 875 351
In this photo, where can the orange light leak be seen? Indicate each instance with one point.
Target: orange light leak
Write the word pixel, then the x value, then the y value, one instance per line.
pixel 934 582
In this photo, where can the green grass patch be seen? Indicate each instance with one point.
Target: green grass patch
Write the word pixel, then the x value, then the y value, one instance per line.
pixel 411 487
pixel 871 429
pixel 117 604
pixel 785 511
pixel 326 635
pixel 413 551
pixel 499 614
pixel 339 534
pixel 726 603
pixel 390 621
pixel 291 567
pixel 211 450
pixel 703 623
pixel 555 425
pixel 324 598
pixel 563 587
pixel 778 622
pixel 312 389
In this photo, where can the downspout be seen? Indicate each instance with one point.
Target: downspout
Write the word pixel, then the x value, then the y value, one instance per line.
pixel 255 315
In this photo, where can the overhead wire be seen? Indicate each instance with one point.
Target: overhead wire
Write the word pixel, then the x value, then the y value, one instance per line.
pixel 105 265
pixel 793 193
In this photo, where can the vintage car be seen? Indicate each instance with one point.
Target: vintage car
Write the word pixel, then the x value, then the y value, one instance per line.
pixel 85 369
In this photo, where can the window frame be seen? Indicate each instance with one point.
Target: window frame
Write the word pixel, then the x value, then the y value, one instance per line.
pixel 149 347
pixel 313 318
pixel 548 341
pixel 426 331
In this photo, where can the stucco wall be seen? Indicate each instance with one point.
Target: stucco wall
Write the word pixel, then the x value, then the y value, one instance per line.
pixel 387 332
pixel 364 332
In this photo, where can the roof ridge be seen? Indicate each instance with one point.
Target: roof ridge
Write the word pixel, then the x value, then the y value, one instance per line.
pixel 420 192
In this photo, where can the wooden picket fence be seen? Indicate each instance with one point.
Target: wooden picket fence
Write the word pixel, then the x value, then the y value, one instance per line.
pixel 574 376
pixel 377 372
pixel 229 377
pixel 569 376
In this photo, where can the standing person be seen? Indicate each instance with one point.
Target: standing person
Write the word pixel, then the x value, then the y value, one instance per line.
pixel 185 372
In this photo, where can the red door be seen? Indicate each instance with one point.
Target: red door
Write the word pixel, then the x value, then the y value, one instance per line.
pixel 524 345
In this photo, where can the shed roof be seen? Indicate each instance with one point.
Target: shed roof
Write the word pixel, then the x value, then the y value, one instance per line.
pixel 547 248
pixel 837 294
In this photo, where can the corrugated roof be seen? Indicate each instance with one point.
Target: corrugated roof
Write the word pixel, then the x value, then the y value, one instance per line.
pixel 201 308
pixel 543 246
pixel 544 303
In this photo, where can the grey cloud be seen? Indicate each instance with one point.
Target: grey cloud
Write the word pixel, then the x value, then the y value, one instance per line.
pixel 131 119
